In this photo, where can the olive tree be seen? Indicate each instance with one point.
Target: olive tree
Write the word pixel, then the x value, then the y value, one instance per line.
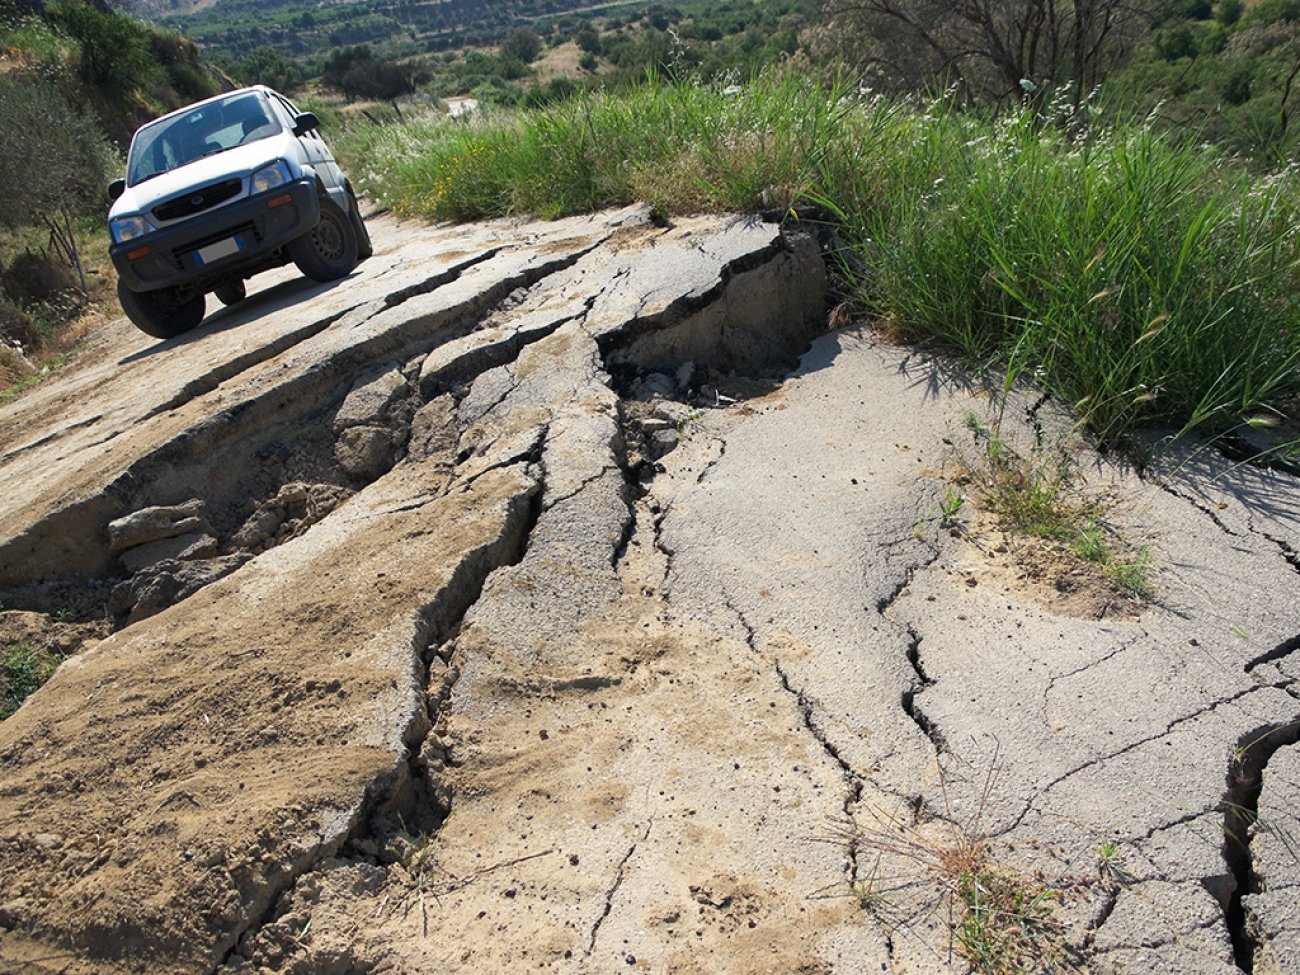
pixel 54 163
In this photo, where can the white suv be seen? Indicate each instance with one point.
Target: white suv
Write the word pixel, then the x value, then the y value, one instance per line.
pixel 215 193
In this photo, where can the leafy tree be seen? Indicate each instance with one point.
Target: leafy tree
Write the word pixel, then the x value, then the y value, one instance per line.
pixel 1229 12
pixel 54 162
pixel 179 59
pixel 557 89
pixel 358 73
pixel 522 44
pixel 1235 85
pixel 990 48
pixel 115 50
pixel 267 65
pixel 1177 42
pixel 588 39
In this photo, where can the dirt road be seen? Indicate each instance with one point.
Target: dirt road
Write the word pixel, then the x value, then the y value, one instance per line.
pixel 565 597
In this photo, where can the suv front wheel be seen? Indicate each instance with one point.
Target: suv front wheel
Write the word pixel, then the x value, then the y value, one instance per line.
pixel 329 250
pixel 164 314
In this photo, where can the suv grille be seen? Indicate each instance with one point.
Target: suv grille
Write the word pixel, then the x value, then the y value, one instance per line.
pixel 198 200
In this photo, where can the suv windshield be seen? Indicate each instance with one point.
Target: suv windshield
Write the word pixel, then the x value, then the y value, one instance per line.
pixel 211 127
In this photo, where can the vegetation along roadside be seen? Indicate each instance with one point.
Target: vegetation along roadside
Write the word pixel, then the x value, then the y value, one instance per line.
pixel 1145 278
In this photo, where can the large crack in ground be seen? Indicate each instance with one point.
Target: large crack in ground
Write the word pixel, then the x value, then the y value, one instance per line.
pixel 232 439
pixel 1250 758
pixel 396 819
pixel 293 410
pixel 645 637
pixel 411 803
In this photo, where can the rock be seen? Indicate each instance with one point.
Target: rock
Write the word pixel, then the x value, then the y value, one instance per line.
pixel 13 913
pixel 324 498
pixel 685 374
pixel 366 451
pixel 672 411
pixel 294 493
pixel 655 384
pixel 370 401
pixel 151 524
pixel 260 526
pixel 155 588
pixel 183 548
pixel 663 442
pixel 433 428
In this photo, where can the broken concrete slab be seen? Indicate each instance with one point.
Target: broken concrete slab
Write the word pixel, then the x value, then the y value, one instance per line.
pixel 157 523
pixel 371 399
pixel 184 548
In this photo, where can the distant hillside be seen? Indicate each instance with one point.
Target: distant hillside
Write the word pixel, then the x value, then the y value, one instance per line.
pixel 157 9
pixel 453 47
pixel 351 21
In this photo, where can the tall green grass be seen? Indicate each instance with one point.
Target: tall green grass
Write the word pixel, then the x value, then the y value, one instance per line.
pixel 680 146
pixel 1145 278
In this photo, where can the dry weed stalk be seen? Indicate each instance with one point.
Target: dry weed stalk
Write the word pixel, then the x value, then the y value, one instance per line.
pixel 999 920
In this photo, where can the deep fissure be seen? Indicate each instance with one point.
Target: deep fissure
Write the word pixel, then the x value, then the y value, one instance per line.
pixel 1240 809
pixel 301 409
pixel 413 796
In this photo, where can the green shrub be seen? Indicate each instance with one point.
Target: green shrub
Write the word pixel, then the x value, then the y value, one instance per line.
pixel 115 53
pixel 33 279
pixel 23 669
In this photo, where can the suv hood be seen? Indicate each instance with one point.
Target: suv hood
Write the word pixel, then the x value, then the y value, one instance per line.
pixel 237 163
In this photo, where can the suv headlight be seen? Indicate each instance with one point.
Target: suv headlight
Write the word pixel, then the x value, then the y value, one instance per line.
pixel 269 177
pixel 128 228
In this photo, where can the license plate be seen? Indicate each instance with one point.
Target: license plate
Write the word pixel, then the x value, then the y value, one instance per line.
pixel 215 252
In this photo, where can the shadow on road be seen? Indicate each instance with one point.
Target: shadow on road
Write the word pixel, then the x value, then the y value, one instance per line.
pixel 258 304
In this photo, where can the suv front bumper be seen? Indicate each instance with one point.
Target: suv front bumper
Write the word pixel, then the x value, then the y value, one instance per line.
pixel 208 248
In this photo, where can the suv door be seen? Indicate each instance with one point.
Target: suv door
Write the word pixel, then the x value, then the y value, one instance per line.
pixel 317 153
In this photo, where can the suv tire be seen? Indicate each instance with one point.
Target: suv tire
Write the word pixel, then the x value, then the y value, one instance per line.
pixel 230 292
pixel 329 250
pixel 163 314
pixel 365 249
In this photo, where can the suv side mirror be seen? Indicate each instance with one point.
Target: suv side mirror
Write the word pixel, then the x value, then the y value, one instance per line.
pixel 304 123
pixel 116 189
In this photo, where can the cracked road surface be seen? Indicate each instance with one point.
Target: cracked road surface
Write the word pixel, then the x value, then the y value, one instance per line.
pixel 482 658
